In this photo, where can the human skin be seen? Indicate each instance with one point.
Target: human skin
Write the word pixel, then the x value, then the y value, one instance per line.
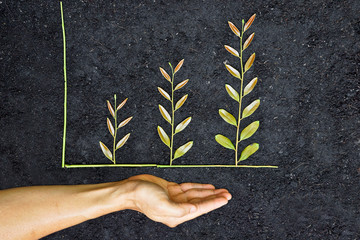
pixel 35 212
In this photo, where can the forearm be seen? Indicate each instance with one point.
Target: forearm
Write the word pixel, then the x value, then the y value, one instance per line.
pixel 34 212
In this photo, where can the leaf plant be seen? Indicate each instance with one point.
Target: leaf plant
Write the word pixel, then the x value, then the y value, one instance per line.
pixel 248 131
pixel 113 129
pixel 170 118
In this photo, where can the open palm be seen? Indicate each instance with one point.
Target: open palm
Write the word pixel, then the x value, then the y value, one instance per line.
pixel 171 203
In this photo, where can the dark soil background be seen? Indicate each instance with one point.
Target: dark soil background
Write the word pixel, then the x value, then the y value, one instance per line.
pixel 308 67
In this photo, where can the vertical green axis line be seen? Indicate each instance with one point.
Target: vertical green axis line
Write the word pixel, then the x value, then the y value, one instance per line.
pixel 241 96
pixel 115 129
pixel 173 116
pixel 65 87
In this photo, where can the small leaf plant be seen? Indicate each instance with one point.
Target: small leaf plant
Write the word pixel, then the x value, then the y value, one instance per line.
pixel 170 117
pixel 113 129
pixel 248 131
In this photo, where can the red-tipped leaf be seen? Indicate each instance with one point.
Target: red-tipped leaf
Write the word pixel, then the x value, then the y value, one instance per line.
pixel 234 29
pixel 164 73
pixel 249 22
pixel 177 68
pixel 248 41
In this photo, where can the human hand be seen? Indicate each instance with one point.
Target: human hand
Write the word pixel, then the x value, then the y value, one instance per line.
pixel 171 203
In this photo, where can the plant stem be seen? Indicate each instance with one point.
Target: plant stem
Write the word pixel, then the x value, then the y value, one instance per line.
pixel 115 128
pixel 241 96
pixel 173 115
pixel 65 87
pixel 239 166
pixel 163 166
pixel 108 165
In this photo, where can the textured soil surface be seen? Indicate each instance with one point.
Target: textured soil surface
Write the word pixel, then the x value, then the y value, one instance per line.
pixel 307 62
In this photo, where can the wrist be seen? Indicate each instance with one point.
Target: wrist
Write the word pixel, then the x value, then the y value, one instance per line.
pixel 122 195
pixel 109 197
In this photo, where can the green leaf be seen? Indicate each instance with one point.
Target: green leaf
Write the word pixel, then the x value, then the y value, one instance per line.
pixel 249 130
pixel 224 141
pixel 122 141
pixel 248 151
pixel 163 136
pixel 232 92
pixel 233 71
pixel 250 109
pixel 227 117
pixel 183 149
pixel 181 126
pixel 250 86
pixel 106 151
pixel 165 113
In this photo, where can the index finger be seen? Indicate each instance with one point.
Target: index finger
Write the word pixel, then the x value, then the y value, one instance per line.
pixel 187 186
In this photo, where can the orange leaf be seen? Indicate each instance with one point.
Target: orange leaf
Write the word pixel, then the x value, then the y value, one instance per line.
pixel 231 50
pixel 110 127
pixel 248 40
pixel 179 66
pixel 126 121
pixel 181 102
pixel 250 86
pixel 121 104
pixel 249 62
pixel 164 73
pixel 165 114
pixel 164 93
pixel 122 141
pixel 233 71
pixel 249 22
pixel 180 85
pixel 111 110
pixel 234 29
pixel 106 151
pixel 163 136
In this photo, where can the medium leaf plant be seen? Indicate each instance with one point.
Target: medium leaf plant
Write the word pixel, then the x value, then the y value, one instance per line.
pixel 113 129
pixel 170 117
pixel 248 131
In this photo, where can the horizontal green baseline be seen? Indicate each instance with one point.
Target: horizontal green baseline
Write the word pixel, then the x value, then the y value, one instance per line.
pixel 163 166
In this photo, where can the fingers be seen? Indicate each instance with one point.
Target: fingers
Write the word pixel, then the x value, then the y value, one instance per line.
pixel 178 210
pixel 209 204
pixel 199 202
pixel 203 193
pixel 188 186
pixel 203 206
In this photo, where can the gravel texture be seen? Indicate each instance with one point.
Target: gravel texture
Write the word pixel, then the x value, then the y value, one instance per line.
pixel 307 62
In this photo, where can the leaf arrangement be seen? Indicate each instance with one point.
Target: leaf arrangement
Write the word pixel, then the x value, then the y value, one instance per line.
pixel 169 141
pixel 113 130
pixel 170 118
pixel 250 109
